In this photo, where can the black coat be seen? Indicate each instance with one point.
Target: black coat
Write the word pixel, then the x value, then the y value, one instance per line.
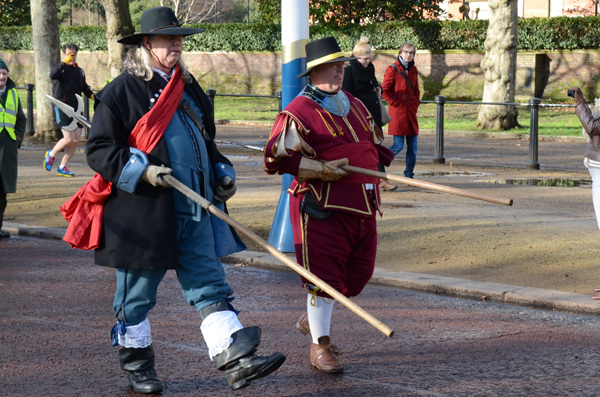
pixel 9 147
pixel 139 229
pixel 361 82
pixel 68 80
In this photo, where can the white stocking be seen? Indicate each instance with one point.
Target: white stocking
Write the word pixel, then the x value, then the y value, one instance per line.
pixel 595 174
pixel 319 316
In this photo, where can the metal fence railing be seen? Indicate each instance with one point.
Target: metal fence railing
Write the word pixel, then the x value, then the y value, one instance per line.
pixel 534 105
pixel 212 93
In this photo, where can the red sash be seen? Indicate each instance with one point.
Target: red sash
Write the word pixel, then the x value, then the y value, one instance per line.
pixel 85 209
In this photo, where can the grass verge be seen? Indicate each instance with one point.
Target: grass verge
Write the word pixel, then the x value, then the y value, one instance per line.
pixel 560 121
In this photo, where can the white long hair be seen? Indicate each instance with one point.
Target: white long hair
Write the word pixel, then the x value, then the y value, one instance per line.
pixel 138 62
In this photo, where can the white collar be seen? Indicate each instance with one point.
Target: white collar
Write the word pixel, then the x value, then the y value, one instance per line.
pixel 163 74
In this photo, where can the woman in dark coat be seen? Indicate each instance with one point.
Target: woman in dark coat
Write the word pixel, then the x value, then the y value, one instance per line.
pixel 12 131
pixel 360 81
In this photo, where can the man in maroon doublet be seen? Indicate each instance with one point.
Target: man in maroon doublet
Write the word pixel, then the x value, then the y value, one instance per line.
pixel 333 212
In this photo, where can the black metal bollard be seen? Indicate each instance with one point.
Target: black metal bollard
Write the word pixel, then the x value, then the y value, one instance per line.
pixel 30 126
pixel 211 97
pixel 280 99
pixel 533 134
pixel 86 114
pixel 438 156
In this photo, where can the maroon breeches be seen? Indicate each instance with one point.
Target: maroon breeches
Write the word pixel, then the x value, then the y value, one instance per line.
pixel 340 250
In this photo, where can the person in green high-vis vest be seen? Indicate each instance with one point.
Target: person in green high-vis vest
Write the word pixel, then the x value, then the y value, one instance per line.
pixel 12 131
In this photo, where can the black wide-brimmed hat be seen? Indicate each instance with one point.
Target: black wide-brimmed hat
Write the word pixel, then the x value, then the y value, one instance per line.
pixel 158 20
pixel 322 51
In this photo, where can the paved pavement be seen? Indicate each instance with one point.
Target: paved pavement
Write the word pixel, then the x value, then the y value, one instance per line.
pixel 465 288
pixel 56 316
pixel 55 312
pixel 507 150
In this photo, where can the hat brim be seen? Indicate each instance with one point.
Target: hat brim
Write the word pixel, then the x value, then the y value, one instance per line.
pixel 135 39
pixel 341 59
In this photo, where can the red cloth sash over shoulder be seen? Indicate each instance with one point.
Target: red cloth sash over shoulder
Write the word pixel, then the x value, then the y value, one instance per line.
pixel 85 209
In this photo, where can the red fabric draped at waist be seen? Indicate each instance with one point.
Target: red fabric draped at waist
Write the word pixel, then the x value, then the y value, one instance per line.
pixel 85 209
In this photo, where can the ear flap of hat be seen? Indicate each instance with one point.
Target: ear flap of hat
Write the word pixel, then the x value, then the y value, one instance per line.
pixel 3 65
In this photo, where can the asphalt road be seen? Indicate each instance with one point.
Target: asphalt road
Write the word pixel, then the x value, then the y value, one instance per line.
pixel 56 316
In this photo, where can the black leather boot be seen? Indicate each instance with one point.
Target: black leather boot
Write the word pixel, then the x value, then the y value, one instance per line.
pixel 139 364
pixel 239 362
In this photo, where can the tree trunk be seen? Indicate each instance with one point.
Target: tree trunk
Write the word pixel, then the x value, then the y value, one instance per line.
pixel 118 25
pixel 46 46
pixel 499 65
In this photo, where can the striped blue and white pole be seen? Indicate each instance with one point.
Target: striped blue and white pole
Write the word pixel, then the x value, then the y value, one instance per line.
pixel 294 36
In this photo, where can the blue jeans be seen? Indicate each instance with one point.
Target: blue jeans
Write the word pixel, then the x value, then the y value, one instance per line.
pixel 200 274
pixel 411 151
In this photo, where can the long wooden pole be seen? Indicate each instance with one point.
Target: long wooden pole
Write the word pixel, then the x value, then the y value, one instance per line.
pixel 407 181
pixel 279 255
pixel 426 185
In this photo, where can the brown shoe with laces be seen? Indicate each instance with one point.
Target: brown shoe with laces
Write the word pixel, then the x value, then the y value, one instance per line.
pixel 304 328
pixel 323 358
pixel 387 186
pixel 302 324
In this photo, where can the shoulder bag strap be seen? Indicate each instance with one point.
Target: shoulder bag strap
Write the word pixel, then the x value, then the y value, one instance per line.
pixel 401 72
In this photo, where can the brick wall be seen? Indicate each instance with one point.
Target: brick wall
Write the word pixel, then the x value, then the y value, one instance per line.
pixel 454 74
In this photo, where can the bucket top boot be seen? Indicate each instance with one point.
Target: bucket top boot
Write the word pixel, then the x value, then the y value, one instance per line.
pixel 240 363
pixel 139 363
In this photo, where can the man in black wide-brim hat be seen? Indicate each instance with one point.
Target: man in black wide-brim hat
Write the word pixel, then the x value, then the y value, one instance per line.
pixel 333 213
pixel 154 119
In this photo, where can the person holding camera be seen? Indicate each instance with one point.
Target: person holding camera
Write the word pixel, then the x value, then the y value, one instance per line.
pixel 591 159
pixel 68 80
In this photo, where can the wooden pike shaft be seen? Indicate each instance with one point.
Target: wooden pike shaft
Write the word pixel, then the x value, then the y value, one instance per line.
pixel 426 185
pixel 409 181
pixel 279 255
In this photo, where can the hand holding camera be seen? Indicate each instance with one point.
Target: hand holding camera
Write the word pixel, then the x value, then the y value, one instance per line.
pixel 69 59
pixel 576 94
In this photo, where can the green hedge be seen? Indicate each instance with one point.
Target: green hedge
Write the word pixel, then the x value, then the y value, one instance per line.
pixel 535 34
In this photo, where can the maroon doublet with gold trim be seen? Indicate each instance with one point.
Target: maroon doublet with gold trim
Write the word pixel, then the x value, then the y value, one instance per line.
pixel 340 250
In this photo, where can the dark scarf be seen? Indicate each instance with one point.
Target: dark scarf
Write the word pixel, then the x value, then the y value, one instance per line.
pixel 363 79
pixel 363 73
pixel 406 65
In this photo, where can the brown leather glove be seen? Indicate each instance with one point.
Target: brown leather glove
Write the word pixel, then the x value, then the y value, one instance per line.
pixel 314 169
pixel 577 96
pixel 153 175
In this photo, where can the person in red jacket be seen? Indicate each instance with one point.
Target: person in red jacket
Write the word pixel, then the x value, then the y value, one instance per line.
pixel 401 90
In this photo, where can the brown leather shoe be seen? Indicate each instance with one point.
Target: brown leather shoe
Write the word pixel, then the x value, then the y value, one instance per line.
pixel 302 324
pixel 597 289
pixel 387 186
pixel 596 296
pixel 322 357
